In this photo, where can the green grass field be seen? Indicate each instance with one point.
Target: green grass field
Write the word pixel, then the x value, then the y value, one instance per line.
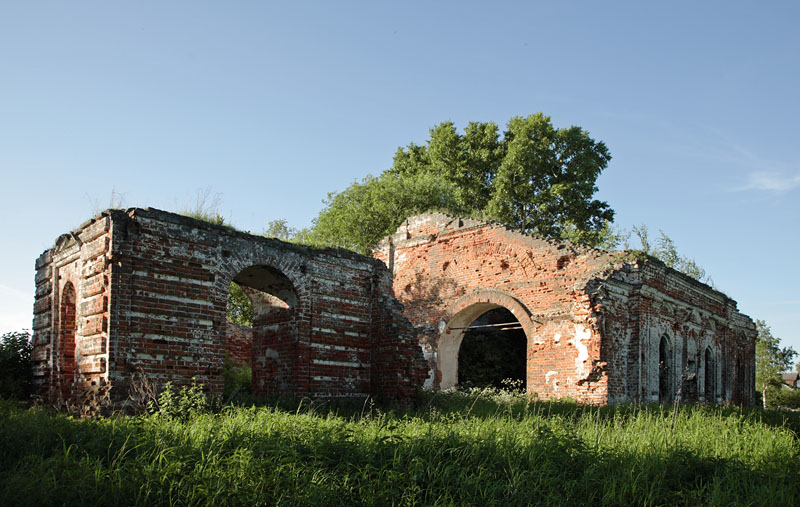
pixel 492 448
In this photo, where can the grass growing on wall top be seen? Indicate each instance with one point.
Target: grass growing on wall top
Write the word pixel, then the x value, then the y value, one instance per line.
pixel 487 447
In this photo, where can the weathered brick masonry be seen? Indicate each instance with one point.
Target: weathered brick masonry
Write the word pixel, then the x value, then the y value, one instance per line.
pixel 600 327
pixel 144 292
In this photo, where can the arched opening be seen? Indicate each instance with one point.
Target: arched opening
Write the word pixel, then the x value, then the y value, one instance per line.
pixel 67 330
pixel 261 323
pixel 710 376
pixel 664 371
pixel 493 351
pixel 483 346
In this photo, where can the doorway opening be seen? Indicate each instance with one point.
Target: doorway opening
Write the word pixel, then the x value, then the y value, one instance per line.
pixel 260 313
pixel 483 345
pixel 493 352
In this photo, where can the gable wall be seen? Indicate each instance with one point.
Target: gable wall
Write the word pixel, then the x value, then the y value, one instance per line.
pixel 438 261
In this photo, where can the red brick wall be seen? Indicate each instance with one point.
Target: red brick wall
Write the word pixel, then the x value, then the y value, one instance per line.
pixel 151 292
pixel 155 288
pixel 239 344
pixel 586 316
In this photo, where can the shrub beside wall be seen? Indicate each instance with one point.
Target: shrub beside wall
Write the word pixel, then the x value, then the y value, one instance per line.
pixel 783 397
pixel 15 365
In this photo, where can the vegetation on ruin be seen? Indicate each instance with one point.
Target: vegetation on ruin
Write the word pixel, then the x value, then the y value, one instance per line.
pixel 664 250
pixel 483 447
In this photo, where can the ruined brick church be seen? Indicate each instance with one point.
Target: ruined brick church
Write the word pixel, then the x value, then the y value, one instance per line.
pixel 143 292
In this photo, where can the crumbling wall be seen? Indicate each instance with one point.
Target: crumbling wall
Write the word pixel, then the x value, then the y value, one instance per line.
pixel 154 288
pixel 447 271
pixel 593 319
pixel 144 292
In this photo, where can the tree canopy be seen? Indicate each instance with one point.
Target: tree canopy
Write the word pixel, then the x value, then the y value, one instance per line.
pixel 358 217
pixel 534 177
pixel 771 358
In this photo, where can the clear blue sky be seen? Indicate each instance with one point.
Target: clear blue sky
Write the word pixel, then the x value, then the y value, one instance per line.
pixel 274 106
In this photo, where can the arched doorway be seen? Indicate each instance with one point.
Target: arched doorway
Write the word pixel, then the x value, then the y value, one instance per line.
pixel 484 342
pixel 259 348
pixel 493 351
pixel 67 329
pixel 664 371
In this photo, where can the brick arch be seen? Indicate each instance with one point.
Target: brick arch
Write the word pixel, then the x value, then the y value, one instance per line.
pixel 460 315
pixel 287 264
pixel 274 348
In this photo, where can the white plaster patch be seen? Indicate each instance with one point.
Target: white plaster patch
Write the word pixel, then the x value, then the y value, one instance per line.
pixel 557 337
pixel 581 334
pixel 555 382
pixel 337 316
pixel 428 354
pixel 350 364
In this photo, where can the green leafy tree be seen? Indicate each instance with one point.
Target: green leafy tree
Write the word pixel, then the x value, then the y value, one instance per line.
pixel 547 178
pixel 15 365
pixel 280 229
pixel 358 217
pixel 239 307
pixel 534 177
pixel 771 358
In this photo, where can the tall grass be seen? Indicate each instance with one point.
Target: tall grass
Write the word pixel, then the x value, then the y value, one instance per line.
pixel 454 449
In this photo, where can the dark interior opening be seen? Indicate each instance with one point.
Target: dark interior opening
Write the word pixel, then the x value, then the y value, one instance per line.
pixel 492 352
pixel 709 376
pixel 664 367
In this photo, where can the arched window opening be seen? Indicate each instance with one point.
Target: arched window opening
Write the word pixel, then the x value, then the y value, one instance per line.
pixel 664 371
pixel 493 352
pixel 481 345
pixel 260 312
pixel 68 328
pixel 710 376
